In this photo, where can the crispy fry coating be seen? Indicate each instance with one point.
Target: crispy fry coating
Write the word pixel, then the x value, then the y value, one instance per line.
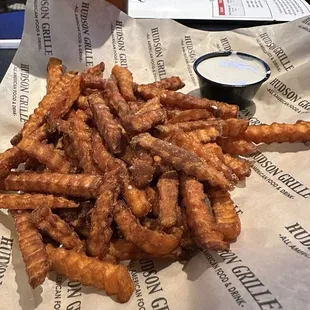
pixel 205 135
pixel 46 154
pixel 32 248
pixel 77 185
pixel 135 198
pixel 82 102
pixel 80 135
pixel 240 167
pixel 59 93
pixel 236 146
pixel 15 140
pixel 125 82
pixel 200 220
pixel 54 72
pixel 61 108
pixel 152 242
pixel 172 99
pixel 114 279
pixel 141 122
pixel 115 100
pixel 168 129
pixel 141 165
pixel 110 130
pixel 54 226
pixel 32 201
pixel 227 219
pixel 300 131
pixel 234 127
pixel 183 140
pixel 102 216
pixel 190 115
pixel 122 249
pixel 168 189
pixel 93 81
pixel 70 152
pixel 10 159
pixel 170 83
pixel 182 160
pixel 95 70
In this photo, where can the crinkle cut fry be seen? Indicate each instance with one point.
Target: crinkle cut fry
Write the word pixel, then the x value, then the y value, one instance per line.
pixel 169 83
pixel 233 127
pixel 236 146
pixel 101 218
pixel 90 271
pixel 125 82
pixel 54 72
pixel 168 189
pixel 32 248
pixel 141 122
pixel 115 100
pixel 240 167
pixel 90 81
pixel 95 70
pixel 54 226
pixel 80 135
pixel 200 221
pixel 227 220
pixel 183 140
pixel 300 131
pixel 77 185
pixel 190 115
pixel 10 159
pixel 61 108
pixel 110 130
pixel 205 135
pixel 182 160
pixel 59 93
pixel 122 249
pixel 32 201
pixel 152 242
pixel 172 99
pixel 45 154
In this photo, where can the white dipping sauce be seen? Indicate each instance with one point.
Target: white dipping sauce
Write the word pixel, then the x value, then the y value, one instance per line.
pixel 232 69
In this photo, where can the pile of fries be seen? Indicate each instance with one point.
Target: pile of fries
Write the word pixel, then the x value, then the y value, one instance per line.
pixel 115 170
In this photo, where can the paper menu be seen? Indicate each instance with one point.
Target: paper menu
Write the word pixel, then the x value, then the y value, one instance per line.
pixel 268 266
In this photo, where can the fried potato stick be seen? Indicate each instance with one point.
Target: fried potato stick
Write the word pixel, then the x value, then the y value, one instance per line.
pixel 90 81
pixel 227 219
pixel 10 159
pixel 234 127
pixel 59 93
pixel 182 160
pixel 152 242
pixel 190 115
pixel 110 130
pixel 168 189
pixel 95 70
pixel 54 72
pixel 141 122
pixel 115 100
pixel 82 102
pixel 114 279
pixel 168 129
pixel 300 131
pixel 16 139
pixel 32 201
pixel 205 135
pixel 183 140
pixel 32 248
pixel 200 220
pixel 122 249
pixel 240 167
pixel 77 185
pixel 170 83
pixel 125 82
pixel 45 154
pixel 236 146
pixel 172 99
pixel 54 226
pixel 101 217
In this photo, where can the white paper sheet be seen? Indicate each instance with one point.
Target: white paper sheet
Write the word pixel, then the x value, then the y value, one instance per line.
pixel 269 265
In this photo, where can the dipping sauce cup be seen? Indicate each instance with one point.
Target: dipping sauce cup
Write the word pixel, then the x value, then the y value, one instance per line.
pixel 232 77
